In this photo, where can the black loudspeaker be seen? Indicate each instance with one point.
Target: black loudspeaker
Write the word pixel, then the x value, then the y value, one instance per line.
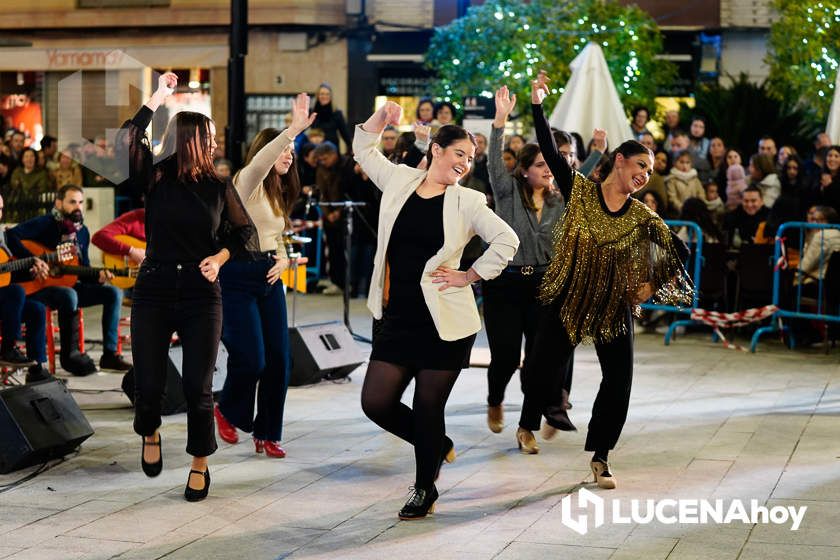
pixel 38 422
pixel 172 401
pixel 322 350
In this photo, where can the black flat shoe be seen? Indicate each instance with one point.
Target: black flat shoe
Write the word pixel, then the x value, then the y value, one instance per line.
pixel 420 504
pixel 152 469
pixel 193 495
pixel 448 455
pixel 561 421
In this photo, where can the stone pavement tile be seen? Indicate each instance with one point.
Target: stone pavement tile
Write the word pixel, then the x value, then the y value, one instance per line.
pixel 161 545
pixel 811 481
pixel 47 529
pixel 36 553
pixel 92 549
pixel 698 550
pixel 14 516
pixel 725 445
pixel 238 541
pixel 818 528
pixel 726 535
pixel 541 551
pixel 157 516
pixel 763 551
pixel 649 548
pixel 8 551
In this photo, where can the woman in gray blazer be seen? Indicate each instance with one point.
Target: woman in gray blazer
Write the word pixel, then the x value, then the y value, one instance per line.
pixel 428 312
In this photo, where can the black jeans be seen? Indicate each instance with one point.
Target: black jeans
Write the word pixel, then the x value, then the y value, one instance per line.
pixel 256 334
pixel 551 346
pixel 511 311
pixel 172 298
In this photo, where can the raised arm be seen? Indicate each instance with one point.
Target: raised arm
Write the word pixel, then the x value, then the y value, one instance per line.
pixel 501 182
pixel 366 142
pixel 131 143
pixel 598 149
pixel 250 176
pixel 563 174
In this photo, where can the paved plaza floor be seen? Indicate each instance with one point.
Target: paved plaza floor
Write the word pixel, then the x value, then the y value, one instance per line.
pixel 705 423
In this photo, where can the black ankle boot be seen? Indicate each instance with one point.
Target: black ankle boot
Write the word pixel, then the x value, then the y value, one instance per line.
pixel 420 504
pixel 193 495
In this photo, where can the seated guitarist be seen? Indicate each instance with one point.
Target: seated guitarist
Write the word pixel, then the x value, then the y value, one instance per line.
pixel 65 223
pixel 16 308
pixel 131 223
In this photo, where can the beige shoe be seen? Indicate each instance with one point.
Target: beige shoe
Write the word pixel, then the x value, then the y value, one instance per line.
pixel 603 476
pixel 527 442
pixel 495 418
pixel 548 431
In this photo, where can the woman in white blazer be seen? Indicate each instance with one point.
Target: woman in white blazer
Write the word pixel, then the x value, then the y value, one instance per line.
pixel 426 306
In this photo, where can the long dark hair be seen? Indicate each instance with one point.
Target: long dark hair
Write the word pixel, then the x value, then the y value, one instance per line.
pixel 404 143
pixel 787 185
pixel 525 159
pixel 282 191
pixel 627 149
pixel 695 210
pixel 194 160
pixel 447 135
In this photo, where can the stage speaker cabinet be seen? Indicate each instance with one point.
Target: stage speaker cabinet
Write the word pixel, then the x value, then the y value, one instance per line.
pixel 324 350
pixel 38 422
pixel 172 401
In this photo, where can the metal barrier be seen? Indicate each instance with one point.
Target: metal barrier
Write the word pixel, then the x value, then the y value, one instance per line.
pixel 697 235
pixel 797 313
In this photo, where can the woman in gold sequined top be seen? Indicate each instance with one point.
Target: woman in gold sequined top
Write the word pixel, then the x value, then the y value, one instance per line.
pixel 611 253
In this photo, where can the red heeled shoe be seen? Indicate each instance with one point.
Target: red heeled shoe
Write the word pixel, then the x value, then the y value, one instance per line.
pixel 227 431
pixel 271 448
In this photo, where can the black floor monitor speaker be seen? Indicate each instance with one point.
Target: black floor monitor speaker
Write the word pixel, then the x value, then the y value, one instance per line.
pixel 38 422
pixel 172 401
pixel 322 350
pixel 173 398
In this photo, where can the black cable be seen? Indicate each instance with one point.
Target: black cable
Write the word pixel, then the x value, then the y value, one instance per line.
pixel 45 466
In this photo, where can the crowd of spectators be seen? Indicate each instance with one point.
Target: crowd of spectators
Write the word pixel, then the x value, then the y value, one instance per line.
pixel 736 199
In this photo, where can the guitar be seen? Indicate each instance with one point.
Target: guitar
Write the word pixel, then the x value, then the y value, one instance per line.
pixel 121 261
pixel 63 253
pixel 64 274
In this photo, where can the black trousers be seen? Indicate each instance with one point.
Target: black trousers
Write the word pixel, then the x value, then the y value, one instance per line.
pixel 551 346
pixel 511 311
pixel 171 298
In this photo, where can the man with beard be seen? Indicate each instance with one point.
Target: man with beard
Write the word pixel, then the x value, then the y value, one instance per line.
pixel 66 223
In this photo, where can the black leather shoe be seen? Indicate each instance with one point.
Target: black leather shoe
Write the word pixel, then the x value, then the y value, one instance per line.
pixel 114 362
pixel 37 373
pixel 78 364
pixel 15 358
pixel 193 495
pixel 152 469
pixel 420 504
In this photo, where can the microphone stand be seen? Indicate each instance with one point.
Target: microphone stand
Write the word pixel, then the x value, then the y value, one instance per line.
pixel 350 207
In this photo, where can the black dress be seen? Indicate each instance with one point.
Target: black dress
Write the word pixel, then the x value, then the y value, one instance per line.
pixel 408 336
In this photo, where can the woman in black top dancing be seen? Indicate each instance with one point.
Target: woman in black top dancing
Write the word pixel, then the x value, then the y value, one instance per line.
pixel 194 222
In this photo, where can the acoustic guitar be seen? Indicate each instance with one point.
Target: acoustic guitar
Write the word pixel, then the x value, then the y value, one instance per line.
pixel 122 261
pixel 63 253
pixel 65 273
